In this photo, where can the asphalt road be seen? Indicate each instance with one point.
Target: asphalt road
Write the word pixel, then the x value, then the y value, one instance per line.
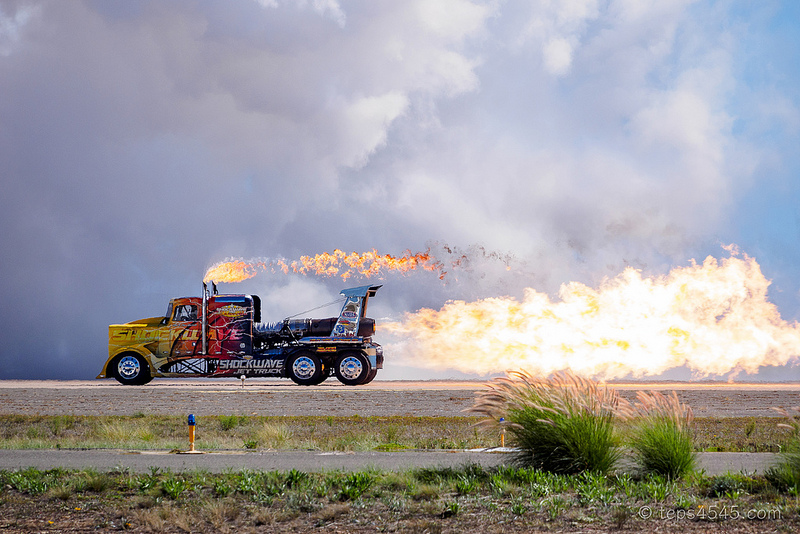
pixel 714 463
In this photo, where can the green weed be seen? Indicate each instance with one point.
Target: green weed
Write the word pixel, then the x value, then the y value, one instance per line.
pixel 173 487
pixel 451 509
pixel 656 489
pixel 592 488
pixel 354 485
pixel 465 485
pixel 554 506
pixel 228 422
pixel 425 492
pixel 518 507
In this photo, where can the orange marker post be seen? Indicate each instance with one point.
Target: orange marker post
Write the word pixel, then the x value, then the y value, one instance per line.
pixel 191 437
pixel 191 432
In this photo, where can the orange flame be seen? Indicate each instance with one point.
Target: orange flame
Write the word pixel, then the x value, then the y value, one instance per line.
pixel 232 271
pixel 713 318
pixel 368 264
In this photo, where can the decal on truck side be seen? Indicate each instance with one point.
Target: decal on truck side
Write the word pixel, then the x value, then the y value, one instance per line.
pixel 231 310
pixel 250 364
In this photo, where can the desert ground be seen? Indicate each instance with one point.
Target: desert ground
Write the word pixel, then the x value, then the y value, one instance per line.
pixel 282 397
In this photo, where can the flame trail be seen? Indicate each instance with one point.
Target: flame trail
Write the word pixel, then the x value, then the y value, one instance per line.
pixel 338 263
pixel 714 318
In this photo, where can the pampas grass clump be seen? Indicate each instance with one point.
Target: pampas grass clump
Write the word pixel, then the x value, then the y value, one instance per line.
pixel 562 424
pixel 661 436
pixel 786 474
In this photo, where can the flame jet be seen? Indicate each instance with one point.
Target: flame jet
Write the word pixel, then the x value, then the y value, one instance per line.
pixel 339 263
pixel 714 318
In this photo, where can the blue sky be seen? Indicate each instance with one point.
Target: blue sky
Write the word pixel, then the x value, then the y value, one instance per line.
pixel 766 220
pixel 142 142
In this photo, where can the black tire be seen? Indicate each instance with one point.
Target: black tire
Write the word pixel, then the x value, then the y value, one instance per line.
pixel 352 368
pixel 130 369
pixel 305 369
pixel 322 376
pixel 370 377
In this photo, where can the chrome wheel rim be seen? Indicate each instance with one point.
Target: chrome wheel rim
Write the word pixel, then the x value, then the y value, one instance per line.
pixel 129 367
pixel 350 368
pixel 303 367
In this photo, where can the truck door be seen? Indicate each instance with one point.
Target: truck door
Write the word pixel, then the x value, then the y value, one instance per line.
pixel 184 330
pixel 182 336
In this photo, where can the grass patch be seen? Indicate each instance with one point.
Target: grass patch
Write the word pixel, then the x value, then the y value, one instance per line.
pixel 739 434
pixel 520 499
pixel 326 433
pixel 158 432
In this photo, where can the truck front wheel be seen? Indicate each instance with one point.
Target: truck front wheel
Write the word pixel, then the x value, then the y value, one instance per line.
pixel 305 369
pixel 130 370
pixel 352 369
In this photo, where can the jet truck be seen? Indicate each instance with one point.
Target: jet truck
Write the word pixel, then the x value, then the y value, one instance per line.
pixel 220 335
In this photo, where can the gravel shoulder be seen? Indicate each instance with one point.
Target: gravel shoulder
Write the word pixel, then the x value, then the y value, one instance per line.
pixel 380 398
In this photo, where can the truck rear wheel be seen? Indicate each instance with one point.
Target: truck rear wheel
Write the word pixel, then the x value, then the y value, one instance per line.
pixel 305 369
pixel 130 369
pixel 352 368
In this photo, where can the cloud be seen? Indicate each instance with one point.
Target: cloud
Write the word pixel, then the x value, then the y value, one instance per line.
pixel 557 28
pixel 11 27
pixel 368 119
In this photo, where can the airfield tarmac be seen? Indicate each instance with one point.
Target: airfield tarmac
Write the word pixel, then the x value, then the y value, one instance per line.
pixel 380 398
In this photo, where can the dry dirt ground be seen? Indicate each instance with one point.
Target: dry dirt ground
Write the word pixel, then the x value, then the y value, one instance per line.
pixel 380 398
